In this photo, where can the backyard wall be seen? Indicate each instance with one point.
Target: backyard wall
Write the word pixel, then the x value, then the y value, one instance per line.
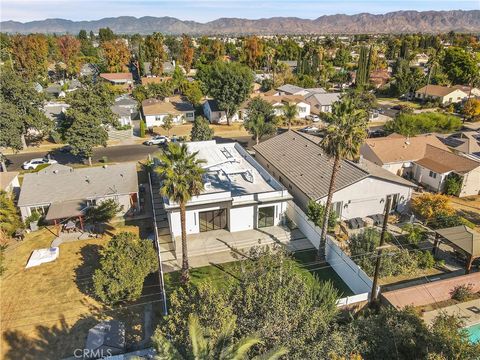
pixel 429 293
pixel 351 273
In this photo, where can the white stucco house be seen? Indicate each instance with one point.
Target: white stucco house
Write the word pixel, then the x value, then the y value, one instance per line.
pixel 239 194
pixel 215 115
pixel 278 101
pixel 446 95
pixel 297 161
pixel 155 111
pixel 321 102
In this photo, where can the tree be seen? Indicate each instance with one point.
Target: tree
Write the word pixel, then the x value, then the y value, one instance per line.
pixel 187 52
pixel 459 65
pixel 84 133
pixel 155 53
pixel 363 72
pixel 181 173
pixel 253 50
pixel 201 131
pixel 9 218
pixel 30 53
pixel 104 34
pixel 315 213
pixel 228 83
pixel 69 48
pixel 193 92
pixel 471 109
pixel 260 119
pixel 290 113
pixel 167 123
pixel 428 205
pixel 414 124
pixel 453 184
pixel 116 54
pixel 142 128
pixel 345 133
pixel 203 348
pixel 103 212
pixel 124 264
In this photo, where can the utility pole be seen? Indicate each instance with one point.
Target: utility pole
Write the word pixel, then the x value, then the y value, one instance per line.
pixel 374 294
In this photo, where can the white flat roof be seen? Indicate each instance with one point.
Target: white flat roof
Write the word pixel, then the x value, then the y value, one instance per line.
pixel 230 168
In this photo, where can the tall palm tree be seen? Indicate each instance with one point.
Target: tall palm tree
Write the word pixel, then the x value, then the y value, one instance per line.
pixel 345 134
pixel 290 112
pixel 204 348
pixel 181 175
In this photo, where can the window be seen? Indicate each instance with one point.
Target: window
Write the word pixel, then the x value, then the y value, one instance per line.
pixel 394 203
pixel 213 220
pixel 302 109
pixel 337 207
pixel 432 174
pixel 158 118
pixel 266 216
pixel 189 115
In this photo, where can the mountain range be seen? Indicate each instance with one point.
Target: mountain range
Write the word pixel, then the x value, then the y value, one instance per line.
pixel 393 22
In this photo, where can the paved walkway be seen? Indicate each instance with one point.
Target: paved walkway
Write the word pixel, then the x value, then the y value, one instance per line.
pixel 469 311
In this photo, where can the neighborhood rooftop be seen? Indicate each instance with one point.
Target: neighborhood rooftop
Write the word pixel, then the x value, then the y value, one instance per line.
pixel 443 161
pixel 173 105
pixel 60 183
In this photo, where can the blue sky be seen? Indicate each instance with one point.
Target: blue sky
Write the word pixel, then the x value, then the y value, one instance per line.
pixel 28 10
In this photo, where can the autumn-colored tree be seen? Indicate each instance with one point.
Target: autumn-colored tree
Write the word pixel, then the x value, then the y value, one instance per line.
pixel 69 48
pixel 116 55
pixel 427 205
pixel 30 53
pixel 253 49
pixel 155 53
pixel 187 52
pixel 217 49
pixel 471 110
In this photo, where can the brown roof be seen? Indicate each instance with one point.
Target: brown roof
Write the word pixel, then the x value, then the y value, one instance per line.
pixel 174 105
pixel 116 76
pixel 6 178
pixel 436 90
pixel 393 149
pixel 443 161
pixel 462 237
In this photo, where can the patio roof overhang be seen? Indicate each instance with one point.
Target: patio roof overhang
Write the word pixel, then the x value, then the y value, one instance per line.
pixel 66 209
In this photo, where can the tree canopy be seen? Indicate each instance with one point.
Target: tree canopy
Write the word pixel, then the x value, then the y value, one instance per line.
pixel 201 130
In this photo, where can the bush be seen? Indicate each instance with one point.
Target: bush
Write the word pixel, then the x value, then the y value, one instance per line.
pixel 142 128
pixel 425 260
pixel 34 217
pixel 414 124
pixel 453 184
pixel 462 292
pixel 429 205
pixel 124 265
pixel 315 213
pixel 415 234
pixel 446 220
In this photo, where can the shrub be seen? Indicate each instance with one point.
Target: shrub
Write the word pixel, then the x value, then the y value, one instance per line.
pixel 425 260
pixel 201 130
pixel 445 220
pixel 453 184
pixel 413 124
pixel 315 213
pixel 142 128
pixel 462 292
pixel 415 234
pixel 429 205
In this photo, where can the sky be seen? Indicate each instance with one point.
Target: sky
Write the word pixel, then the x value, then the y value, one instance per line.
pixel 203 11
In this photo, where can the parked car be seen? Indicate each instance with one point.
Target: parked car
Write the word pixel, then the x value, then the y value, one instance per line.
pixel 310 129
pixel 157 140
pixel 34 163
pixel 314 118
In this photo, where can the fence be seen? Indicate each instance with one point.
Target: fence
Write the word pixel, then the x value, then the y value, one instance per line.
pixel 349 272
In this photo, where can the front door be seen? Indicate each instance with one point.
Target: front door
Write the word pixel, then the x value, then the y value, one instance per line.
pixel 266 216
pixel 213 220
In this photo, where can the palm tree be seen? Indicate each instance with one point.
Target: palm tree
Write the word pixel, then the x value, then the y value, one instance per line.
pixel 204 348
pixel 345 134
pixel 181 176
pixel 290 112
pixel 258 127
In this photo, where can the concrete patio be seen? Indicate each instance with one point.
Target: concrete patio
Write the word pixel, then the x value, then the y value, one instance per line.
pixel 469 311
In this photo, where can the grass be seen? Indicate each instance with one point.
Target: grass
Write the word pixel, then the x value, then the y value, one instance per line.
pixel 46 311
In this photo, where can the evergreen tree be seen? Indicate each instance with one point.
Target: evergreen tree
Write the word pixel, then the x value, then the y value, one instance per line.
pixel 201 130
pixel 362 77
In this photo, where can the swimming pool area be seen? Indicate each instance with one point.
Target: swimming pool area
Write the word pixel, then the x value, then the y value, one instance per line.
pixel 474 333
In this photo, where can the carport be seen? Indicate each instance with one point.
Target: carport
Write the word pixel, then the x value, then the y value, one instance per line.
pixel 462 239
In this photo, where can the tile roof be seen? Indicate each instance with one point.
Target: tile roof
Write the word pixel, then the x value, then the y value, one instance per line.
pixel 60 183
pixel 301 160
pixel 174 105
pixel 443 161
pixel 394 149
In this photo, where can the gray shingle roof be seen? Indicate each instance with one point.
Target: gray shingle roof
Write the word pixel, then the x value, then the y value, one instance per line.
pixel 324 99
pixel 290 89
pixel 378 172
pixel 60 183
pixel 302 161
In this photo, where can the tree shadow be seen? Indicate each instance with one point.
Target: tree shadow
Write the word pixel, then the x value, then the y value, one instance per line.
pixel 84 272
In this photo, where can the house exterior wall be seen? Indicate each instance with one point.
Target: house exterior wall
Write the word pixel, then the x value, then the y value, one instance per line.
pixel 453 97
pixel 471 183
pixel 302 108
pixel 217 117
pixel 422 176
pixel 157 120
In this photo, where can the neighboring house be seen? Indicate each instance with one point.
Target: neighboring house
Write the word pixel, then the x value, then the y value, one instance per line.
pixel 89 69
pixel 397 153
pixel 154 110
pixel 467 142
pixel 212 112
pixel 55 90
pixel 437 164
pixel 288 89
pixel 118 78
pixel 446 95
pixel 9 181
pixel 471 92
pixel 239 194
pixel 379 78
pixel 126 102
pixel 55 111
pixel 123 114
pixel 322 103
pixel 60 192
pixel 303 107
pixel 167 66
pixel 298 162
pixel 419 60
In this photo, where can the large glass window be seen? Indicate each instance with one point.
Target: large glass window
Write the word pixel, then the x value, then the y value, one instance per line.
pixel 213 220
pixel 266 216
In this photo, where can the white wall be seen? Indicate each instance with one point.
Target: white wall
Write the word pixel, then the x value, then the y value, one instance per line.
pixel 217 117
pixel 422 176
pixel 364 197
pixel 471 183
pixel 278 109
pixel 151 120
pixel 400 168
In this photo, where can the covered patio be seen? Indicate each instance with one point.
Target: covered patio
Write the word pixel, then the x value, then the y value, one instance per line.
pixel 67 215
pixel 462 239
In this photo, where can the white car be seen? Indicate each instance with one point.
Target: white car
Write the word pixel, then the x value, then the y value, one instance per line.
pixel 34 163
pixel 310 129
pixel 314 118
pixel 157 140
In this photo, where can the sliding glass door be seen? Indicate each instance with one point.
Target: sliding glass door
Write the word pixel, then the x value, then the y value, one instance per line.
pixel 213 220
pixel 266 216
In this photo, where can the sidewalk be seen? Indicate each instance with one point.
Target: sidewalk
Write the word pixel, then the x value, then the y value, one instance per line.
pixel 469 312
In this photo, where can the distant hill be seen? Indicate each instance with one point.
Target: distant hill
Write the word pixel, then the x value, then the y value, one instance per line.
pixel 394 22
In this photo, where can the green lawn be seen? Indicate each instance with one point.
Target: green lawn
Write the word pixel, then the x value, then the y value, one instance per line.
pixel 218 274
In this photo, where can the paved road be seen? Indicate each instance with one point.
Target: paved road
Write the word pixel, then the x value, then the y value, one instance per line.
pixel 119 153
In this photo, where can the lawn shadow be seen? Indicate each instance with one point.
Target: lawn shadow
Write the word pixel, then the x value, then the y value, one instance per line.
pixel 84 272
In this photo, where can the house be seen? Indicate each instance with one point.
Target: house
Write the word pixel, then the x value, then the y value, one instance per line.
pixel 215 115
pixel 322 102
pixel 466 143
pixel 379 78
pixel 154 110
pixel 397 153
pixel 55 90
pixel 89 69
pixel 288 89
pixel 470 91
pixel 238 195
pixel 168 67
pixel 60 192
pixel 303 107
pixel 118 78
pixel 55 111
pixel 297 161
pixel 437 164
pixel 446 95
pixel 419 60
pixel 125 107
pixel 9 181
pixel 123 114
